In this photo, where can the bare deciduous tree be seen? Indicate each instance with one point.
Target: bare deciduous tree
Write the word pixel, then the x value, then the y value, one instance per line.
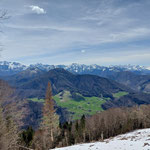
pixel 3 16
pixel 9 130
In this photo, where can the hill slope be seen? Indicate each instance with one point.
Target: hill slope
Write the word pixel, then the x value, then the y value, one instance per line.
pixel 76 94
pixel 132 80
pixel 87 85
pixel 137 140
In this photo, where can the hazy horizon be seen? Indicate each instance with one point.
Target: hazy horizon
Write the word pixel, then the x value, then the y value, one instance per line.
pixel 121 65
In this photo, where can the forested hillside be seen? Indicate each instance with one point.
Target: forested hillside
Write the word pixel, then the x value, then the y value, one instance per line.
pixel 74 95
pixel 51 133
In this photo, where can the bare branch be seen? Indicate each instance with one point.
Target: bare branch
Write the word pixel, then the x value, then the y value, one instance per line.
pixel 4 15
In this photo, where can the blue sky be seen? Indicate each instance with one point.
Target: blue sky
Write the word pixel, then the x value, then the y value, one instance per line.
pixel 104 32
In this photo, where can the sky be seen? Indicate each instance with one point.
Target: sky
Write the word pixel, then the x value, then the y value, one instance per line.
pixel 103 32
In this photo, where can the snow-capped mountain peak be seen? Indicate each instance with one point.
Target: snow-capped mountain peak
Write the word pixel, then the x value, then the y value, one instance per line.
pixel 148 68
pixel 9 68
pixel 12 65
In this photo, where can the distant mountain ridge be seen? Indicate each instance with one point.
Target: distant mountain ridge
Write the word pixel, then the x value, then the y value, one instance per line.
pixel 34 85
pixel 132 80
pixel 10 68
pixel 80 84
pixel 135 77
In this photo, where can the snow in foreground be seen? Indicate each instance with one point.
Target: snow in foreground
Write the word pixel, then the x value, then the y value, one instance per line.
pixel 137 140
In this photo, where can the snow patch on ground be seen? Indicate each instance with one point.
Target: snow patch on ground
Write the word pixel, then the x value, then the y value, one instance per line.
pixel 136 140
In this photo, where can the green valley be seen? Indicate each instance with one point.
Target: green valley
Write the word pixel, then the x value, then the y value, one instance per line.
pixel 87 106
pixel 77 106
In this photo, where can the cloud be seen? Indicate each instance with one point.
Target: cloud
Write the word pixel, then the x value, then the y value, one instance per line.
pixel 120 58
pixel 83 51
pixel 47 27
pixel 37 9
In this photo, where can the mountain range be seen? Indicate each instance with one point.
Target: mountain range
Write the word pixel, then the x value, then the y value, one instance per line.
pixel 89 92
pixel 135 77
pixel 87 85
pixel 10 68
pixel 78 89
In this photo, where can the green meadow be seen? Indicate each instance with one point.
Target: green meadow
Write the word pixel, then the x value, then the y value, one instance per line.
pixel 88 106
pixel 81 105
pixel 120 94
pixel 77 107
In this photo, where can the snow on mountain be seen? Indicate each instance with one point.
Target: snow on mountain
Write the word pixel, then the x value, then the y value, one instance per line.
pixel 82 67
pixel 128 67
pixel 148 68
pixel 136 140
pixel 11 65
pixel 9 68
pixel 42 66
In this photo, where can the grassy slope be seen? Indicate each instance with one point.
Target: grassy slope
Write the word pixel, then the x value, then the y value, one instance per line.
pixel 88 106
pixel 120 94
pixel 36 100
pixel 76 107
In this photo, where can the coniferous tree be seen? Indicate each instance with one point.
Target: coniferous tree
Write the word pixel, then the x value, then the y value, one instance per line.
pixel 27 136
pixel 50 122
pixel 82 126
pixel 77 132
